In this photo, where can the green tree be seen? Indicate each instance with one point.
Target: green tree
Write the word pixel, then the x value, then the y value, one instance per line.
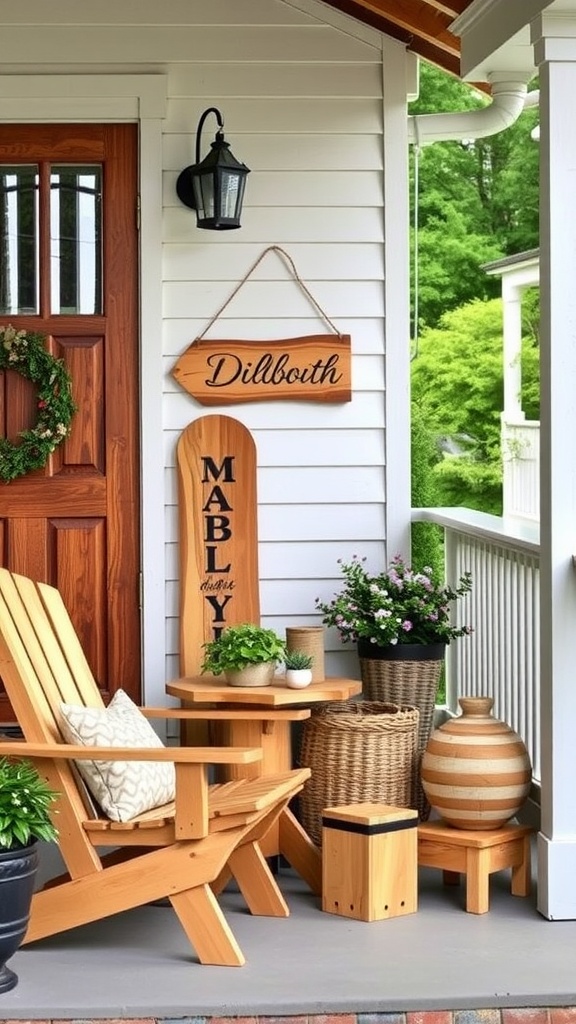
pixel 427 538
pixel 472 202
pixel 457 388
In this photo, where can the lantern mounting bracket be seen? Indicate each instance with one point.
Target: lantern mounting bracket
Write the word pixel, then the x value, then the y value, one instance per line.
pixel 184 189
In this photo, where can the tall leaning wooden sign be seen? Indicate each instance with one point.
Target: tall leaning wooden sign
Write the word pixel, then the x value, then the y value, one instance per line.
pixel 216 463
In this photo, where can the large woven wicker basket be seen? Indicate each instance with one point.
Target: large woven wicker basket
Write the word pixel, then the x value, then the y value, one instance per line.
pixel 407 682
pixel 358 751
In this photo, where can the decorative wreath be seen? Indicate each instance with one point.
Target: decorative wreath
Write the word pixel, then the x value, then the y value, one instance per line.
pixel 25 352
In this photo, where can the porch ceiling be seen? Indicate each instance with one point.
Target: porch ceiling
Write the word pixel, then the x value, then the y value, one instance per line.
pixel 424 25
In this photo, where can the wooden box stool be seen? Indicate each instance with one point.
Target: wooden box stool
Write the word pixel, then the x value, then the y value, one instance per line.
pixel 477 854
pixel 369 861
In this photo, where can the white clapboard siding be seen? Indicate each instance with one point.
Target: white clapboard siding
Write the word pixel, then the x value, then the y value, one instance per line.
pixel 366 411
pixel 295 448
pixel 150 12
pixel 272 299
pixel 294 224
pixel 356 116
pixel 357 261
pixel 160 44
pixel 318 484
pixel 295 597
pixel 313 560
pixel 274 152
pixel 204 81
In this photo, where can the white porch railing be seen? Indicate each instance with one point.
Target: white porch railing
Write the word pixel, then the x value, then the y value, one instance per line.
pixel 520 440
pixel 501 657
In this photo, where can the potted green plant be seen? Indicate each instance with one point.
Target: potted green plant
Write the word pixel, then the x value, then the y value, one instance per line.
pixel 394 608
pixel 401 620
pixel 298 669
pixel 25 805
pixel 246 654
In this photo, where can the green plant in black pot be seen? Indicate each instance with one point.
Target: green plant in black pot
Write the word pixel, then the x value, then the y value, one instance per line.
pixel 246 654
pixel 25 817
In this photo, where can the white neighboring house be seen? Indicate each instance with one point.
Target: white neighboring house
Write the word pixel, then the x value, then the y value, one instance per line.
pixel 520 438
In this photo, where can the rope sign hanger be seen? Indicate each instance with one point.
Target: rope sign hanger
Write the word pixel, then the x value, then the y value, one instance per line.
pixel 292 266
pixel 314 368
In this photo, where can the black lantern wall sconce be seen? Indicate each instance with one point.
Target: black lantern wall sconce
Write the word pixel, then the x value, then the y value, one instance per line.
pixel 214 187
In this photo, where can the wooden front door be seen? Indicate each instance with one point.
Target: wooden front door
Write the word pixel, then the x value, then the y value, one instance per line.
pixel 68 270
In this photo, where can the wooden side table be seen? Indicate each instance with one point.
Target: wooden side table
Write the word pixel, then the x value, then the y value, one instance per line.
pixel 261 716
pixel 369 861
pixel 477 854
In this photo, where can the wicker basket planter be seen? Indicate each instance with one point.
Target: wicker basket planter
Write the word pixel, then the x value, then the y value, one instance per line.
pixel 358 751
pixel 405 674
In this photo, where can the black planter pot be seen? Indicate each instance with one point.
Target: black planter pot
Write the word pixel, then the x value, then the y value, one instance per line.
pixel 17 876
pixel 401 652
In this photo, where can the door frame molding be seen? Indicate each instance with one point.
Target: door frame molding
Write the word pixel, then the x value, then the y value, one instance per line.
pixel 142 99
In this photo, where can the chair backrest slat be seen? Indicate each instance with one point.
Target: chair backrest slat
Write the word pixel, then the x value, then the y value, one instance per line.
pixel 29 678
pixel 82 688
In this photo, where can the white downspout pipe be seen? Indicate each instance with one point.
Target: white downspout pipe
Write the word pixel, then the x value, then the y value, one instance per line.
pixel 509 97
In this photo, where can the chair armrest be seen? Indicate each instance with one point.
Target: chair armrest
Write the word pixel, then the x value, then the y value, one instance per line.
pixel 244 715
pixel 176 755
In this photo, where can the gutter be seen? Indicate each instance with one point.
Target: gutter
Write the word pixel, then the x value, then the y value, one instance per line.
pixel 510 97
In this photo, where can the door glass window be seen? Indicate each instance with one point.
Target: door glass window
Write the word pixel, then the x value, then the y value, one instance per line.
pixel 76 239
pixel 18 239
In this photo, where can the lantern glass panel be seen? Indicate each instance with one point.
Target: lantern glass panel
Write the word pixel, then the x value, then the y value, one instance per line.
pixel 229 193
pixel 203 185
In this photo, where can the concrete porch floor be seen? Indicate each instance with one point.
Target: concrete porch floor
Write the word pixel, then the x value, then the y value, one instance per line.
pixel 139 964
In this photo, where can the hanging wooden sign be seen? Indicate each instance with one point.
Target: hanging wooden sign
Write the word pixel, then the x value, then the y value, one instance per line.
pixel 313 368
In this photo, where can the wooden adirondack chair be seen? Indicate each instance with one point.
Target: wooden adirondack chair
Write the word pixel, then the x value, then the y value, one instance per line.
pixel 181 850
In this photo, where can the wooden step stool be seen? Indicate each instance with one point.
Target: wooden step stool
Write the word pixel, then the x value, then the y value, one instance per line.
pixel 477 854
pixel 369 861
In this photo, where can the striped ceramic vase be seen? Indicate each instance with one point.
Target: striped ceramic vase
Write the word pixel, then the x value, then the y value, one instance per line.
pixel 476 770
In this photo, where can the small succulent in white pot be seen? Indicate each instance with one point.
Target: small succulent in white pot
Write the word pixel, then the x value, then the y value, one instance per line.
pixel 298 667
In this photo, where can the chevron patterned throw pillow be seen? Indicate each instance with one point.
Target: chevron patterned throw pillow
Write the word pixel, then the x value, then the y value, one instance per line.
pixel 123 789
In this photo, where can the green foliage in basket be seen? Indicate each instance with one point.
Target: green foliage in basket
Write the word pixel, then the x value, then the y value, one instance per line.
pixel 398 606
pixel 25 802
pixel 242 645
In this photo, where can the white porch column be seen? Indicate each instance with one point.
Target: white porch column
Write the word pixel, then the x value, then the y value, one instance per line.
pixel 554 36
pixel 512 339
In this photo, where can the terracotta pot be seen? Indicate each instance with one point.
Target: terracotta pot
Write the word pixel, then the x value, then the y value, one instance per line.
pixel 476 770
